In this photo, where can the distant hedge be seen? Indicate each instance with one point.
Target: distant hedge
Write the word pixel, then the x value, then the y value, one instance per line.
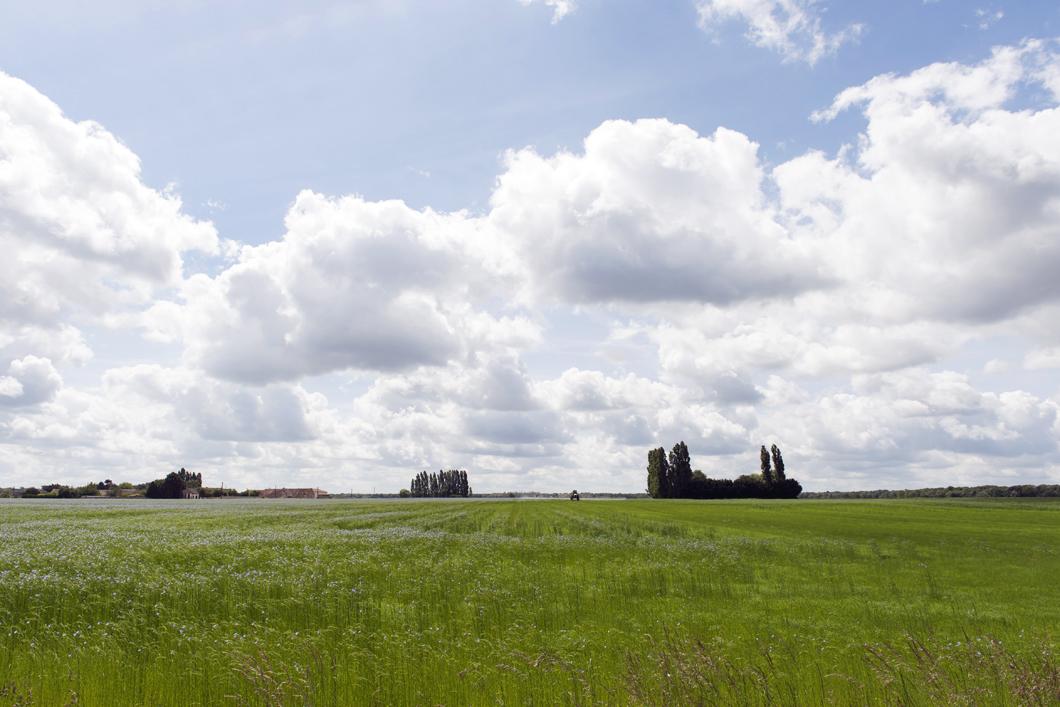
pixel 1020 491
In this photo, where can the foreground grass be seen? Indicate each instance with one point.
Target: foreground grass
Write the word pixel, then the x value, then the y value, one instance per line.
pixel 534 602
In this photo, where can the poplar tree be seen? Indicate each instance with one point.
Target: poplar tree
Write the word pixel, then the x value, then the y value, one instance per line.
pixel 767 473
pixel 778 463
pixel 657 473
pixel 666 477
pixel 443 484
pixel 680 475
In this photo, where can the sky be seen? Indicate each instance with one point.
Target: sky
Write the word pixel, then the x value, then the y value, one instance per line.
pixel 335 244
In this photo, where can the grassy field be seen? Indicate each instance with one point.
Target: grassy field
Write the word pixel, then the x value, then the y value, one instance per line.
pixel 529 602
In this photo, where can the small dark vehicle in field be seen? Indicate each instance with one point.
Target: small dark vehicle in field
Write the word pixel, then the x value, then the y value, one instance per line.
pixel 574 495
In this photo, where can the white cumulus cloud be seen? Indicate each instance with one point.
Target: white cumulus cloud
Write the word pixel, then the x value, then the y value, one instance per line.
pixel 792 28
pixel 352 284
pixel 560 8
pixel 79 226
pixel 650 212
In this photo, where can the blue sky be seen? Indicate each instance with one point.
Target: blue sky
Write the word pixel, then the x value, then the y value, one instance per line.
pixel 245 104
pixel 239 109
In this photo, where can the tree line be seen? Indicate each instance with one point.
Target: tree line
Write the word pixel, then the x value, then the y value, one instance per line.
pixel 172 485
pixel 444 484
pixel 59 491
pixel 672 477
pixel 987 491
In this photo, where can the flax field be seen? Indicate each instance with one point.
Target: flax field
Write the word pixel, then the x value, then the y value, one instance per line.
pixel 334 602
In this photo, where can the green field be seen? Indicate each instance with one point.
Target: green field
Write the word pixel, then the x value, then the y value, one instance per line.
pixel 529 602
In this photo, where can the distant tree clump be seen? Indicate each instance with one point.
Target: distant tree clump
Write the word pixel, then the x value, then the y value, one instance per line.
pixel 675 478
pixel 174 485
pixel 444 484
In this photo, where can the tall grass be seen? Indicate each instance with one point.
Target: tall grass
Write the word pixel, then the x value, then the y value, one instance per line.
pixel 537 602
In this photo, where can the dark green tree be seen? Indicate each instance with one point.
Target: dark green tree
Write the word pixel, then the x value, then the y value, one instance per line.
pixel 778 463
pixel 666 475
pixel 657 482
pixel 767 472
pixel 441 484
pixel 188 479
pixel 680 475
pixel 170 487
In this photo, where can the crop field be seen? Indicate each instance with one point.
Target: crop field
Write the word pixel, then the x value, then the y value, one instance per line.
pixel 529 602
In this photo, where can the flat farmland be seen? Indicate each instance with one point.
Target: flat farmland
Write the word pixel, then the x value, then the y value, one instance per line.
pixel 529 602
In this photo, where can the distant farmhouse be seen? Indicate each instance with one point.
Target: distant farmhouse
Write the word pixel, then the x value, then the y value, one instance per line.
pixel 293 493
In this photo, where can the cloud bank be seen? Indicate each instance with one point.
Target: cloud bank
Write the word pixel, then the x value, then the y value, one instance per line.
pixel 836 303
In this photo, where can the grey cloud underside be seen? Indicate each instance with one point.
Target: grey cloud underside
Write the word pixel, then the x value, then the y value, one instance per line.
pixel 515 428
pixel 628 429
pixel 688 271
pixel 248 416
pixel 731 388
pixel 218 411
pixel 29 381
pixel 533 452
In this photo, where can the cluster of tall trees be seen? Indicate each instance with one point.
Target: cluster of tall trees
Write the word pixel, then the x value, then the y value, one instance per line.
pixel 776 473
pixel 173 485
pixel 672 477
pixel 444 484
